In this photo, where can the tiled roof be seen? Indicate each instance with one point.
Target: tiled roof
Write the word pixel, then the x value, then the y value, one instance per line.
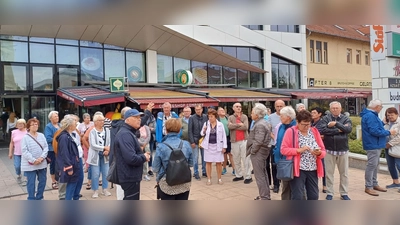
pixel 349 31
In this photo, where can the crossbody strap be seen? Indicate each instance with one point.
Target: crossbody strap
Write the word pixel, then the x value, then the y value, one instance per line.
pixel 169 146
pixel 36 141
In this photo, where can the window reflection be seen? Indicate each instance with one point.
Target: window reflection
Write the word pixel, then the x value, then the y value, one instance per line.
pixel 135 67
pixel 180 64
pixel 42 78
pixel 199 71
pixel 14 51
pixel 15 78
pixel 92 64
pixel 114 64
pixel 41 53
pixel 164 69
pixel 285 74
pixel 67 55
pixel 243 78
pixel 214 74
pixel 229 75
pixel 68 77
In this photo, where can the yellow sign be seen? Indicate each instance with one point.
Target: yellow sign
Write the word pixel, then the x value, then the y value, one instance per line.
pixel 317 82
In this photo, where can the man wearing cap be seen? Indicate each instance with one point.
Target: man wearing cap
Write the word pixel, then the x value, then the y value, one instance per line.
pixel 129 156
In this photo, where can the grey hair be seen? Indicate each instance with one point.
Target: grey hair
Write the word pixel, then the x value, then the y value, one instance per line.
pixel 51 114
pixel 123 111
pixel 67 122
pixel 98 117
pixel 374 103
pixel 85 115
pixel 335 102
pixel 98 113
pixel 260 110
pixel 299 104
pixel 289 112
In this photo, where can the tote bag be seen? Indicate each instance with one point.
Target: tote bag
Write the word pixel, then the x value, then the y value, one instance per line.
pixel 394 151
pixel 284 167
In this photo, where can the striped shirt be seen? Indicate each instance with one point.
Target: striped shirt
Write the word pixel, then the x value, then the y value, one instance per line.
pixel 32 151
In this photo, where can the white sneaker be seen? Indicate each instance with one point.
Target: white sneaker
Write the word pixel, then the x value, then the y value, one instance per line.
pixel 106 192
pixel 95 194
pixel 146 178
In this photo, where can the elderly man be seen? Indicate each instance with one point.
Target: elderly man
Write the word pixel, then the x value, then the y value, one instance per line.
pixel 196 123
pixel 238 125
pixel 374 140
pixel 160 121
pixel 129 156
pixel 335 127
pixel 185 123
pixel 274 119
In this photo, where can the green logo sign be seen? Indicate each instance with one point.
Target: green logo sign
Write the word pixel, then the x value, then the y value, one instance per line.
pixel 184 77
pixel 117 84
pixel 393 44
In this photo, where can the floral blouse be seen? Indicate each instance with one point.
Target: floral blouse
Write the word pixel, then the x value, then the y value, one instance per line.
pixel 308 162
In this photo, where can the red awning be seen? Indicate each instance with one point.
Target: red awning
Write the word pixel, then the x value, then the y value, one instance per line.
pixel 90 96
pixel 326 95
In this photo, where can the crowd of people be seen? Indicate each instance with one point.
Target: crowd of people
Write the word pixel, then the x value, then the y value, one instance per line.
pixel 140 144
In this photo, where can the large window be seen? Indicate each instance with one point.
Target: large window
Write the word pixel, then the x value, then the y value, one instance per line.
pixel 214 74
pixel 311 50
pixel 15 78
pixel 348 55
pixel 199 71
pixel 42 78
pixel 286 28
pixel 254 27
pixel 41 53
pixel 92 64
pixel 135 67
pixel 164 69
pixel 114 63
pixel 358 57
pixel 67 55
pixel 318 56
pixel 285 74
pixel 325 55
pixel 180 64
pixel 14 51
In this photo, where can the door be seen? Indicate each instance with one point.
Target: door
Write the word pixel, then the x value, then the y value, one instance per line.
pixel 16 104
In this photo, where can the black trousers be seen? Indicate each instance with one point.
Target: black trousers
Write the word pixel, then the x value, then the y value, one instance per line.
pixel 307 180
pixel 271 164
pixel 161 195
pixel 131 190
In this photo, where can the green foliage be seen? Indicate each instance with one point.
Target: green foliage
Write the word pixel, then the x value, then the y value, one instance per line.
pixel 356 120
pixel 355 146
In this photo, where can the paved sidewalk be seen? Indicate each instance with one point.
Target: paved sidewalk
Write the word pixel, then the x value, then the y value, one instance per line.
pixel 11 190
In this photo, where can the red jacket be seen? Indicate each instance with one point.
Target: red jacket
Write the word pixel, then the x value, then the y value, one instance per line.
pixel 289 151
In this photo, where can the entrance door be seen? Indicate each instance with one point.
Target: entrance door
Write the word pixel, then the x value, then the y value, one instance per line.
pixel 19 105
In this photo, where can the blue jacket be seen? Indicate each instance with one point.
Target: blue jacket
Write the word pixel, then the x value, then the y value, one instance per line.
pixel 373 133
pixel 68 158
pixel 128 155
pixel 161 158
pixel 49 131
pixel 281 133
pixel 159 125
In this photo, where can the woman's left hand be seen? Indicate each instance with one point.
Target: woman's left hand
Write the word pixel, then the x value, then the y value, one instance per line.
pixel 223 150
pixel 105 153
pixel 316 152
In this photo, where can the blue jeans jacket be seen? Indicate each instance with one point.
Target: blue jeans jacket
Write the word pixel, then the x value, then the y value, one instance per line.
pixel 161 158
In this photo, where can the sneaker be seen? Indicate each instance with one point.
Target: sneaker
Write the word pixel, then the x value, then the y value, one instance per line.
pixel 223 171
pixel 276 189
pixel 150 173
pixel 24 183
pixel 106 192
pixel 393 186
pixel 345 197
pixel 329 197
pixel 204 175
pixel 95 194
pixel 238 178
pixel 233 173
pixel 248 181
pixel 146 178
pixel 197 177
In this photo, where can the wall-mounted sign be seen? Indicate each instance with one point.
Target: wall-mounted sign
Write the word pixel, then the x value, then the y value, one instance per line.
pixel 393 82
pixel 117 84
pixel 378 42
pixel 184 77
pixel 393 47
pixel 317 82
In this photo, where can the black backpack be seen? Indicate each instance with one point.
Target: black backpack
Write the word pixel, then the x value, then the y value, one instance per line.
pixel 178 170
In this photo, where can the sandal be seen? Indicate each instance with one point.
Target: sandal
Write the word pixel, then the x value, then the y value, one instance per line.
pixel 257 198
pixel 88 186
pixel 208 183
pixel 54 185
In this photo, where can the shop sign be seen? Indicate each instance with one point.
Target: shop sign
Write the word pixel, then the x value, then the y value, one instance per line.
pixel 393 48
pixel 394 96
pixel 378 44
pixel 184 77
pixel 117 84
pixel 393 82
pixel 317 82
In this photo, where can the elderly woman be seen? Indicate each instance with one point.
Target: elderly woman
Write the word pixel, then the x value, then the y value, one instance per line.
pixel 161 160
pixel 144 139
pixel 82 128
pixel 49 132
pixel 15 148
pixel 257 146
pixel 300 107
pixel 393 162
pixel 70 158
pixel 317 113
pixel 288 119
pixel 303 144
pixel 214 144
pixel 33 162
pixel 99 142
pixel 11 123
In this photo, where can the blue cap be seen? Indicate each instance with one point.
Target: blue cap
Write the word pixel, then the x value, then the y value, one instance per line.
pixel 132 112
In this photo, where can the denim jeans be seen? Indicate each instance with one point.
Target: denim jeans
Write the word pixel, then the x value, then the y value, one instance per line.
pixel 103 167
pixel 17 164
pixel 74 189
pixel 89 172
pixel 30 187
pixel 393 165
pixel 52 156
pixel 195 152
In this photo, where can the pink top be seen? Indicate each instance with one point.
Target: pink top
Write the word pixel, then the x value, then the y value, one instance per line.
pixel 16 137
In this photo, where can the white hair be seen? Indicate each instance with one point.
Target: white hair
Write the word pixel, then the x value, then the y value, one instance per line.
pixel 335 102
pixel 51 114
pixel 123 111
pixel 260 110
pixel 86 115
pixel 98 117
pixel 67 122
pixel 289 112
pixel 374 103
pixel 298 106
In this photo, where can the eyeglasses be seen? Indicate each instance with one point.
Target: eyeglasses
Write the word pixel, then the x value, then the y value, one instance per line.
pixel 238 106
pixel 305 125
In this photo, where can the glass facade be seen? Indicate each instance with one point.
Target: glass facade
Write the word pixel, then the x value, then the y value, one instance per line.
pixel 285 74
pixel 286 28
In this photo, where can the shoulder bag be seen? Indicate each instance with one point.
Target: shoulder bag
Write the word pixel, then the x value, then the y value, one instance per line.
pixel 284 167
pixel 112 175
pixel 394 151
pixel 48 159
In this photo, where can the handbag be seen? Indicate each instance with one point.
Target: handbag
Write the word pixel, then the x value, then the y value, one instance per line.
pixel 112 175
pixel 48 159
pixel 202 138
pixel 284 167
pixel 394 151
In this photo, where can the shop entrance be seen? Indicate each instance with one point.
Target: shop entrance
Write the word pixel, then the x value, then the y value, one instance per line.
pixel 17 106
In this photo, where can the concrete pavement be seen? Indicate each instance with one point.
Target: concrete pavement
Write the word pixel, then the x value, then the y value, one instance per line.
pixel 11 190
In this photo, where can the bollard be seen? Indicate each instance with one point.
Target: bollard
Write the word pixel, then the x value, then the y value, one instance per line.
pixel 358 132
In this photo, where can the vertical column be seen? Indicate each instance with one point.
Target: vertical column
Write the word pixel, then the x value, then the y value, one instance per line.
pixel 151 66
pixel 267 67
